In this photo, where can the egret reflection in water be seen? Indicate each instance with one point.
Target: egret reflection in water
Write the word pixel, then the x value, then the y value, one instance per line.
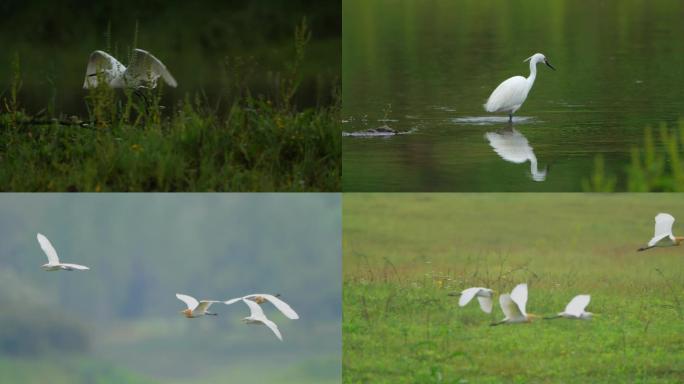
pixel 513 146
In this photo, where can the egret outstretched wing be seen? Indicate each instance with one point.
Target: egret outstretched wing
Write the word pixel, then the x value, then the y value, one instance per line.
pixel 98 62
pixel 48 249
pixel 281 305
pixel 146 67
pixel 258 314
pixel 519 295
pixel 663 228
pixel 191 302
pixel 577 305
pixel 467 295
pixel 510 308
pixel 485 303
pixel 77 267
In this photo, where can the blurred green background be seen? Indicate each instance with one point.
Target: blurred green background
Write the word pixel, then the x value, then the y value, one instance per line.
pixel 620 68
pixel 120 321
pixel 193 39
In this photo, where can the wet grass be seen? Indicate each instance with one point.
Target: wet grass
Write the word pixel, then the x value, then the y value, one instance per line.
pixel 130 143
pixel 404 254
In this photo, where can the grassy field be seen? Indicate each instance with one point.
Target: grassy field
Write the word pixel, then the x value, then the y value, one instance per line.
pixel 238 142
pixel 403 255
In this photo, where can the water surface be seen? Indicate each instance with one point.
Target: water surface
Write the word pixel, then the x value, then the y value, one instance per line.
pixel 428 66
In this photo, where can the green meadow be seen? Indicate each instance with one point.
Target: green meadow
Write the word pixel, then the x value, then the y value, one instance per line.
pixel 404 254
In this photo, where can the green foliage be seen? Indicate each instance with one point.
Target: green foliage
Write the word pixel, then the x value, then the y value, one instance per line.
pixel 599 182
pixel 653 168
pixel 404 255
pixel 259 144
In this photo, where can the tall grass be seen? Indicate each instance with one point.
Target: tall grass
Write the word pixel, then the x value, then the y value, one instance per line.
pixel 650 169
pixel 132 143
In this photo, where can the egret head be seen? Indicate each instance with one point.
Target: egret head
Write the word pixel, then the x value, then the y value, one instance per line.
pixel 586 316
pixel 678 240
pixel 187 313
pixel 539 58
pixel 532 316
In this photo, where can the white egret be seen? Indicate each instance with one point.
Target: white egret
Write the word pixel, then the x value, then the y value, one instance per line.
pixel 575 309
pixel 261 298
pixel 53 263
pixel 484 296
pixel 511 94
pixel 257 316
pixel 663 236
pixel 142 72
pixel 513 146
pixel 195 308
pixel 513 306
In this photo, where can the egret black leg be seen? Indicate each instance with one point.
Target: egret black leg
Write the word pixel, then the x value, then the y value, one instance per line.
pixel 510 117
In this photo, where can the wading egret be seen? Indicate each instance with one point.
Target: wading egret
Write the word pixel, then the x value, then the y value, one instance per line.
pixel 663 236
pixel 53 263
pixel 575 309
pixel 142 72
pixel 484 296
pixel 513 146
pixel 261 298
pixel 257 316
pixel 511 94
pixel 195 308
pixel 513 306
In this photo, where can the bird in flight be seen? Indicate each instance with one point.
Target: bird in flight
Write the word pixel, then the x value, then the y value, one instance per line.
pixel 142 72
pixel 663 236
pixel 195 308
pixel 53 263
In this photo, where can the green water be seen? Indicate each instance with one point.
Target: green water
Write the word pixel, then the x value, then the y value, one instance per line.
pixel 620 68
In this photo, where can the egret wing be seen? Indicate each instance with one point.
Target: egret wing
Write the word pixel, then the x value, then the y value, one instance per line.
pixel 191 302
pixel 468 295
pixel 204 305
pixel 510 308
pixel 255 310
pixel 48 249
pixel 146 67
pixel 231 301
pixel 281 305
pixel 485 303
pixel 508 94
pixel 519 295
pixel 576 306
pixel 97 62
pixel 273 328
pixel 663 228
pixel 77 267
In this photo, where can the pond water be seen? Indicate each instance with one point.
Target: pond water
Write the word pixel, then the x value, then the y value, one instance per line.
pixel 425 68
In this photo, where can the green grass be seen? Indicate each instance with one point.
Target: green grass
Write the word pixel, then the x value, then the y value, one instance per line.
pixel 403 255
pixel 255 143
pixel 64 370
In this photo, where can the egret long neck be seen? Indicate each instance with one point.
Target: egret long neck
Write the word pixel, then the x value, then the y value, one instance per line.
pixel 533 72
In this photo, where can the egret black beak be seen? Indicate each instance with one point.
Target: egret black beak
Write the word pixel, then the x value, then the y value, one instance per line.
pixel 549 65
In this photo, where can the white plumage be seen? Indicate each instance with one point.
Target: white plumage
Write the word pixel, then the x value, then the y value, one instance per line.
pixel 484 296
pixel 143 71
pixel 511 93
pixel 53 263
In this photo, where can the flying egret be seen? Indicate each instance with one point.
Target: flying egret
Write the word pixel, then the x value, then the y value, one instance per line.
pixel 257 316
pixel 261 298
pixel 142 72
pixel 513 306
pixel 513 146
pixel 511 94
pixel 484 296
pixel 575 309
pixel 53 263
pixel 663 236
pixel 195 308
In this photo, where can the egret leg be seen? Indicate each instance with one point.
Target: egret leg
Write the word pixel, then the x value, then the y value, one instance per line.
pixel 510 117
pixel 211 314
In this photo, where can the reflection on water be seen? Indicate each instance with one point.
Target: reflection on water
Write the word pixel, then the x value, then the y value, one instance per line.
pixel 437 62
pixel 512 146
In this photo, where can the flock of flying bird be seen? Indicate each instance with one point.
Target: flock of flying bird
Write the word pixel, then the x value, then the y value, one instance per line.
pixel 514 304
pixel 194 308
